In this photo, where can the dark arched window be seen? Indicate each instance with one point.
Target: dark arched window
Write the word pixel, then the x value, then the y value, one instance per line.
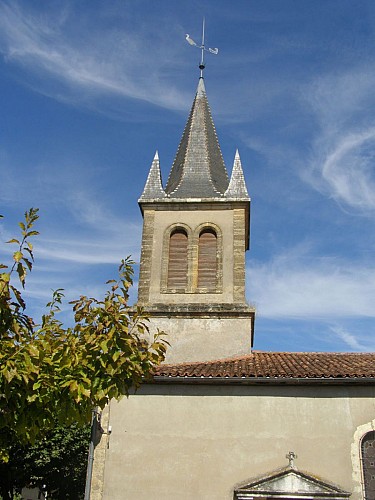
pixel 207 260
pixel 368 464
pixel 178 260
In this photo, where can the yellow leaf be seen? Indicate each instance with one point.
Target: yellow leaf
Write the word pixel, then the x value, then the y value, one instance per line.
pixel 17 256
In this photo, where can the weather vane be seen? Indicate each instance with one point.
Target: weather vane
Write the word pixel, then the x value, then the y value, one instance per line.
pixel 203 48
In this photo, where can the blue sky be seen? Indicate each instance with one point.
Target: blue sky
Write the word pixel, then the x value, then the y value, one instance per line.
pixel 89 91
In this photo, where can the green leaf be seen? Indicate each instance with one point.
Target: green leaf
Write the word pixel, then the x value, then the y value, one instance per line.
pixel 104 346
pixel 52 373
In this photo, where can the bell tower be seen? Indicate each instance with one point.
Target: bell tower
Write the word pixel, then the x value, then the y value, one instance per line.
pixel 195 235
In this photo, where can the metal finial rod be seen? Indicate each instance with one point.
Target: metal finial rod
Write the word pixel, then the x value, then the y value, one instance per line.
pixel 201 66
pixel 214 51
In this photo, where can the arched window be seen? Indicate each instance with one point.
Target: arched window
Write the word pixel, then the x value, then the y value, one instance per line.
pixel 368 464
pixel 178 260
pixel 207 260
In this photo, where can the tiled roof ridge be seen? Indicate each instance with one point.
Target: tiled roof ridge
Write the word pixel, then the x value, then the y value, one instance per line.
pixel 278 365
pixel 257 351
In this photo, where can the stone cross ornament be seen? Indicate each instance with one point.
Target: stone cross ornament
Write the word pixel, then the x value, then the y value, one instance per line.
pixel 291 456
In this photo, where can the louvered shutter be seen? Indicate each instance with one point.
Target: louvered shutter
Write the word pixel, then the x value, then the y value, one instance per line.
pixel 178 261
pixel 207 260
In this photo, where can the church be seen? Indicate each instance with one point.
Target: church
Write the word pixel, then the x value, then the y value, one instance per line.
pixel 219 420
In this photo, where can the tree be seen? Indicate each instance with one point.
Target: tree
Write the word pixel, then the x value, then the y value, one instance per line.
pixel 54 374
pixel 56 463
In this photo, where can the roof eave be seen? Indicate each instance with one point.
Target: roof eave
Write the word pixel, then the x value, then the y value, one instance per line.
pixel 204 380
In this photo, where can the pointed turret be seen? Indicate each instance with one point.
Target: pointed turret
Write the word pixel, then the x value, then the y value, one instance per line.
pixel 153 188
pixel 198 170
pixel 237 186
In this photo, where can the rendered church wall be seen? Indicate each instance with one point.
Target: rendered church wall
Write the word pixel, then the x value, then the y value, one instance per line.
pixel 200 441
pixel 203 339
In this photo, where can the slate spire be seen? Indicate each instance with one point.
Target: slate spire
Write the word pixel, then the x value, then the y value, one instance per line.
pixel 237 186
pixel 153 188
pixel 198 170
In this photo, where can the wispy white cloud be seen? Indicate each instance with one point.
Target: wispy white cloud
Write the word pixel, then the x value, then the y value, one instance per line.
pixel 351 340
pixel 79 265
pixel 343 150
pixel 88 61
pixel 340 98
pixel 94 233
pixel 40 287
pixel 346 171
pixel 335 112
pixel 296 284
pixel 99 249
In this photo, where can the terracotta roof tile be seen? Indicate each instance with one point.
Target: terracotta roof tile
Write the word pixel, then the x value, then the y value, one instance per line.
pixel 312 365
